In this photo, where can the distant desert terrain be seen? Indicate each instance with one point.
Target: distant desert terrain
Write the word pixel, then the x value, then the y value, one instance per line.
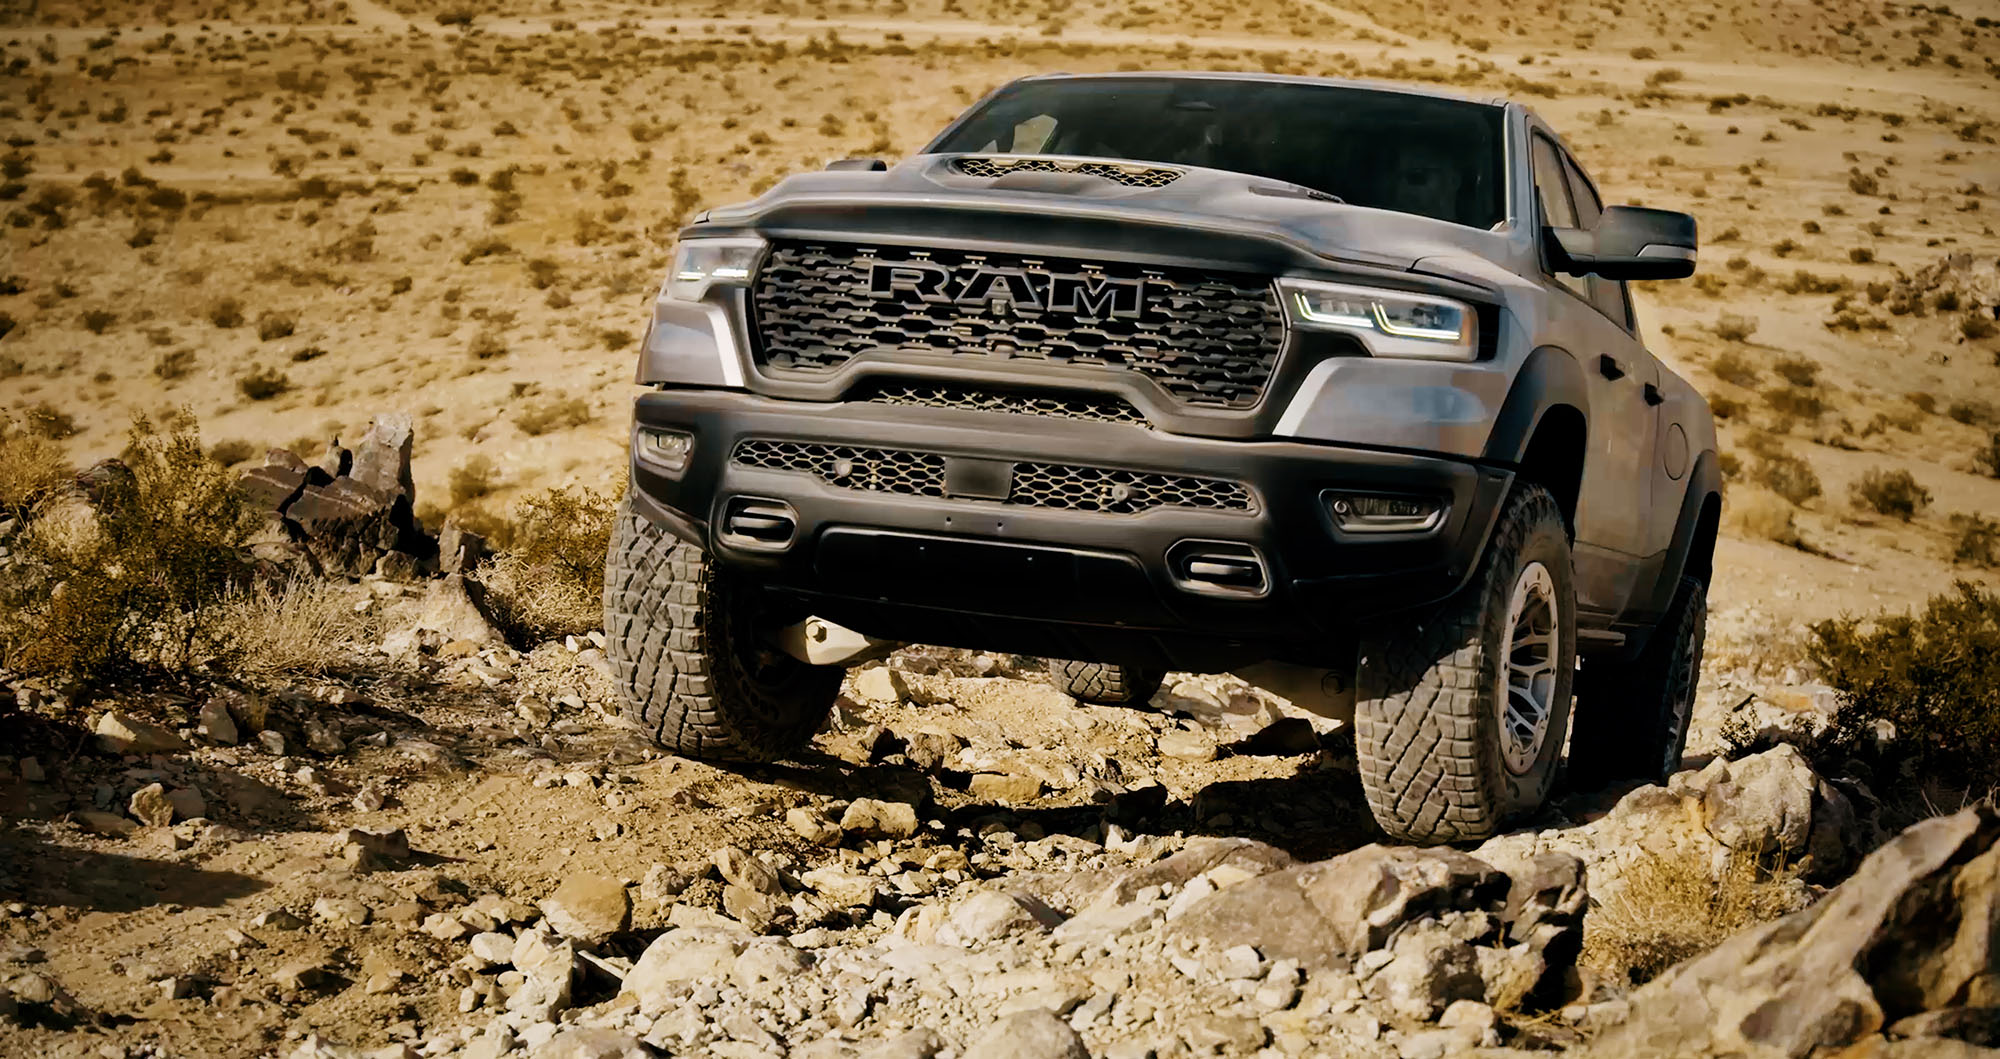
pixel 289 216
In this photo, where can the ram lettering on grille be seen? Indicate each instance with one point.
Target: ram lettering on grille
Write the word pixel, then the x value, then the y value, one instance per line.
pixel 1206 338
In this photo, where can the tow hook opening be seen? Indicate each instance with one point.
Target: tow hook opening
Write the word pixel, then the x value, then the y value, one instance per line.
pixel 760 524
pixel 1219 568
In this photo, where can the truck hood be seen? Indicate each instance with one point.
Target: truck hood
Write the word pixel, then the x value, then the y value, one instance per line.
pixel 1053 202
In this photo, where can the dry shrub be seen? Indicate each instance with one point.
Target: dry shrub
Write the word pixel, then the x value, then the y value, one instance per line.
pixel 1987 460
pixel 1669 908
pixel 1893 493
pixel 551 581
pixel 556 413
pixel 474 478
pixel 139 577
pixel 32 468
pixel 1978 541
pixel 302 626
pixel 1934 677
pixel 263 383
pixel 1783 473
pixel 1762 515
pixel 1733 328
pixel 1731 366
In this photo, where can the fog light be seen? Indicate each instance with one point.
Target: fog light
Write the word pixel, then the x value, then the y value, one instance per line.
pixel 667 448
pixel 1375 513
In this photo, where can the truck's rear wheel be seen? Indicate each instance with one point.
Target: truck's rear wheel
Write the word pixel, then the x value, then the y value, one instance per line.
pixel 1632 717
pixel 1105 684
pixel 1461 714
pixel 688 659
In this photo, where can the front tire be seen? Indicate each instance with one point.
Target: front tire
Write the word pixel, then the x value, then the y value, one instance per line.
pixel 691 668
pixel 1104 684
pixel 1632 717
pixel 1461 714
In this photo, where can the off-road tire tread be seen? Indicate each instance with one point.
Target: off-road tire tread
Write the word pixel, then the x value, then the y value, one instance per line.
pixel 1420 750
pixel 1105 684
pixel 1617 733
pixel 678 675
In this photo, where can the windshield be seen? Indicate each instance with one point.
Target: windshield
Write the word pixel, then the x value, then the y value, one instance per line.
pixel 1411 153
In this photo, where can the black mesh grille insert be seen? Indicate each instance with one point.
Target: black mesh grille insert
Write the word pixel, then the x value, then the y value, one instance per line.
pixel 1097 489
pixel 1095 409
pixel 1046 485
pixel 1132 176
pixel 1206 338
pixel 875 470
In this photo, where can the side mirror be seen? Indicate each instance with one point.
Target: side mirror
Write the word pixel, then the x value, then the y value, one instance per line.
pixel 1629 242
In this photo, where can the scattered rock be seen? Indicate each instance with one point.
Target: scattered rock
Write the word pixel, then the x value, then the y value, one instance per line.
pixel 1186 745
pixel 872 818
pixel 990 915
pixel 121 734
pixel 588 908
pixel 1284 737
pixel 216 725
pixel 31 770
pixel 1007 788
pixel 813 825
pixel 589 1042
pixel 1036 1034
pixel 1913 931
pixel 149 806
pixel 188 803
pixel 881 685
pixel 110 825
pixel 741 869
pixel 367 851
pixel 341 911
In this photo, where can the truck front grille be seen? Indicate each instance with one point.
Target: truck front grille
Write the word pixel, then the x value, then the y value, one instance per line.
pixel 1206 338
pixel 1093 409
pixel 1045 485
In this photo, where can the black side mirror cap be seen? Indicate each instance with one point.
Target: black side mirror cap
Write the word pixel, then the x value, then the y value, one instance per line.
pixel 864 165
pixel 1629 242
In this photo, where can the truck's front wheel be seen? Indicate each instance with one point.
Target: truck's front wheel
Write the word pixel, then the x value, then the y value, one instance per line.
pixel 690 664
pixel 1461 714
pixel 1105 684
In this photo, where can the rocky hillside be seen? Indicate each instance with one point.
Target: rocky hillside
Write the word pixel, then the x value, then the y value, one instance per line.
pixel 434 837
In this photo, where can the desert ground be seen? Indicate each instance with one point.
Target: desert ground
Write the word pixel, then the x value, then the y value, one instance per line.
pixel 290 217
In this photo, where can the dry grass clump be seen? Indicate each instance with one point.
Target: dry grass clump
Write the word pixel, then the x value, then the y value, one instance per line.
pixel 1731 327
pixel 551 581
pixel 556 413
pixel 1669 908
pixel 32 468
pixel 1733 367
pixel 1987 460
pixel 303 626
pixel 1977 542
pixel 1893 493
pixel 1781 472
pixel 1760 514
pixel 473 479
pixel 263 383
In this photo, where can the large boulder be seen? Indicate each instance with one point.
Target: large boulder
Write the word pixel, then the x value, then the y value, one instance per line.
pixel 1330 913
pixel 1773 804
pixel 1914 933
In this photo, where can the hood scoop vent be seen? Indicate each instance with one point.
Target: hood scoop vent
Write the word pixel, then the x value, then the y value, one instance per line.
pixel 1131 175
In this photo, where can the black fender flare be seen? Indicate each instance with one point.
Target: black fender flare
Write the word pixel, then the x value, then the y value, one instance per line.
pixel 1549 377
pixel 1704 481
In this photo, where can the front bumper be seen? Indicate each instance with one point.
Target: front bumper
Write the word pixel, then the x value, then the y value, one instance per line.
pixel 1002 575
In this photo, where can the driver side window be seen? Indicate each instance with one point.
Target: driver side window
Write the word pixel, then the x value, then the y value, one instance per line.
pixel 1558 211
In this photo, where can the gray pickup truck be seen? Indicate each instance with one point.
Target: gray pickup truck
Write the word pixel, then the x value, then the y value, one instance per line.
pixel 1336 386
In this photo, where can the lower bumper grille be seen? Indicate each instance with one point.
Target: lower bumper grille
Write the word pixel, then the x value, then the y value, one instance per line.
pixel 1093 409
pixel 1061 487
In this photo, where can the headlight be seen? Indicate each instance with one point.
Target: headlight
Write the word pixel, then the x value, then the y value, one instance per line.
pixel 1390 323
pixel 700 263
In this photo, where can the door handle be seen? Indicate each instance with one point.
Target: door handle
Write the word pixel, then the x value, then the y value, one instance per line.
pixel 1609 367
pixel 1653 395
